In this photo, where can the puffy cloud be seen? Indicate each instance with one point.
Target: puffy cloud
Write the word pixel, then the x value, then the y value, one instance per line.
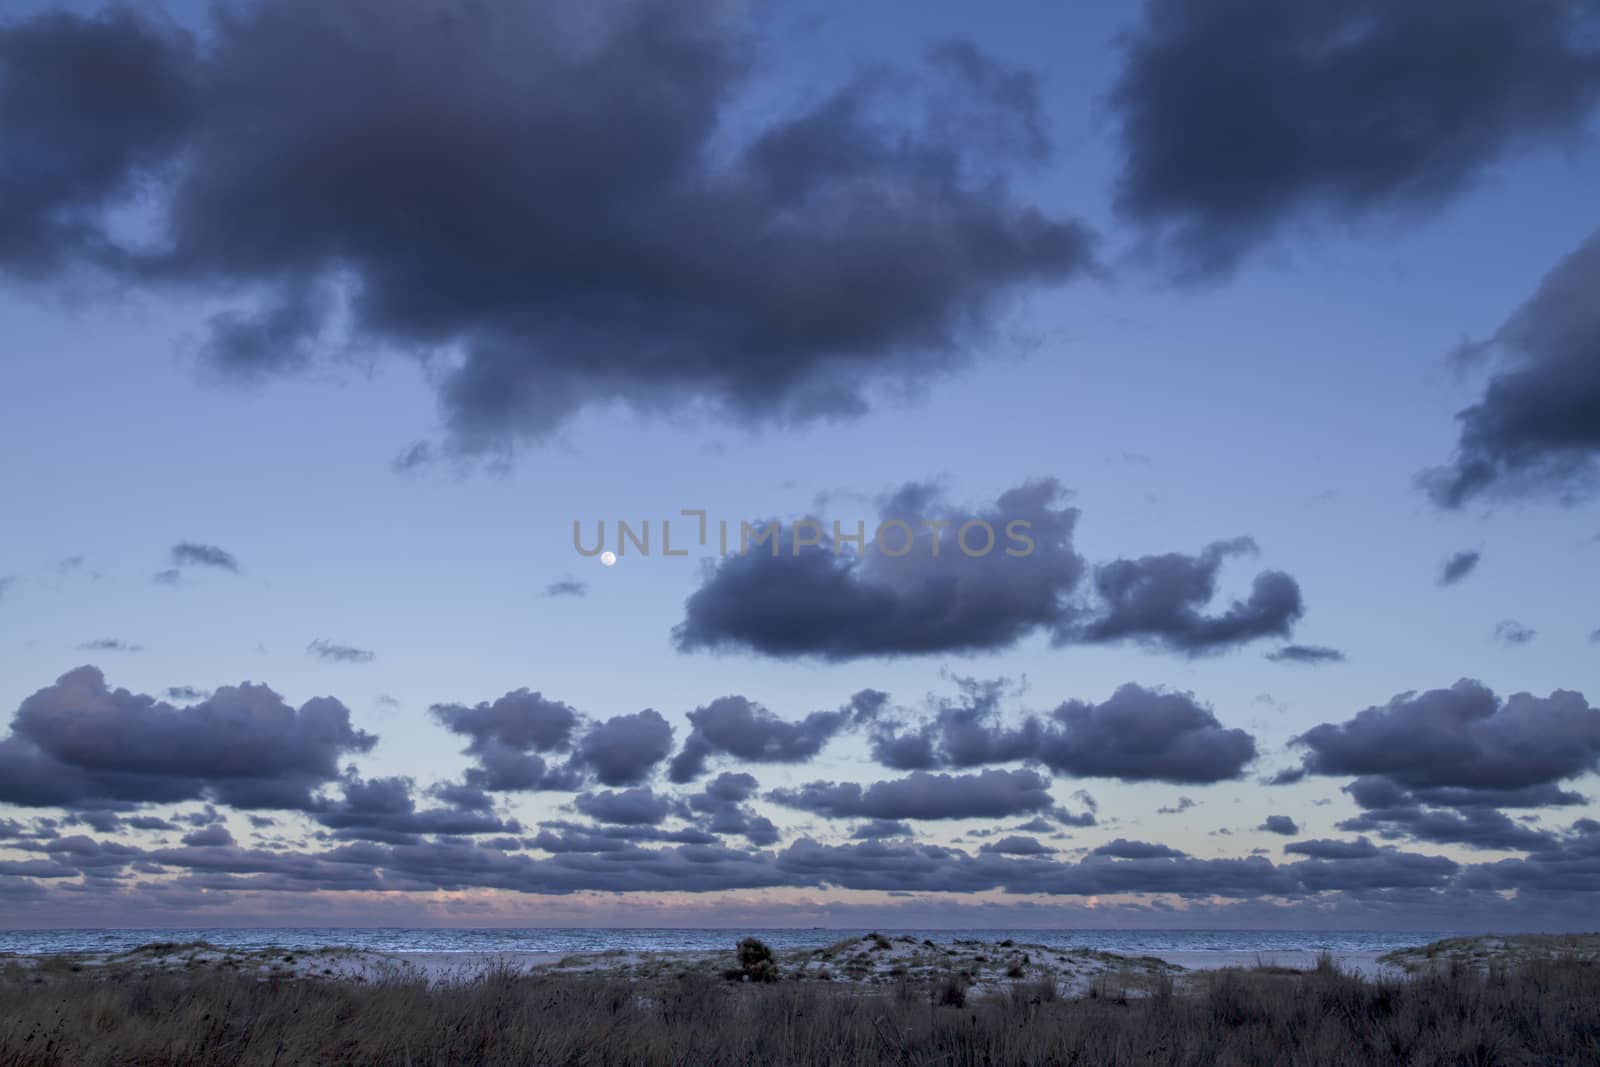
pixel 989 794
pixel 1462 737
pixel 745 730
pixel 520 720
pixel 385 809
pixel 1141 734
pixel 838 604
pixel 1536 429
pixel 1279 824
pixel 1435 766
pixel 78 742
pixel 775 273
pixel 1161 601
pixel 629 807
pixel 1240 118
pixel 722 809
pixel 1122 848
pixel 1138 734
pixel 926 595
pixel 1017 845
pixel 625 749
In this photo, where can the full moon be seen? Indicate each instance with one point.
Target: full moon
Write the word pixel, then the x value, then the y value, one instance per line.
pixel 608 558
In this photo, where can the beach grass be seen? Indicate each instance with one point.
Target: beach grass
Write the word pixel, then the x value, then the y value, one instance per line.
pixel 1533 1009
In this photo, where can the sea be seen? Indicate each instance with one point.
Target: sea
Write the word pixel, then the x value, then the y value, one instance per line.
pixel 570 941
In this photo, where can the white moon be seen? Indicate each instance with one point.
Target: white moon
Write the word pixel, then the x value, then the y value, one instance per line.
pixel 608 558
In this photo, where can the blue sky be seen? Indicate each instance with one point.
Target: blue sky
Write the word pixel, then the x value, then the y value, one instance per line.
pixel 1293 399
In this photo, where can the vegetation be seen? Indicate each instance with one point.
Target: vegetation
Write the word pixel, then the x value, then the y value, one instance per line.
pixel 756 961
pixel 1536 1010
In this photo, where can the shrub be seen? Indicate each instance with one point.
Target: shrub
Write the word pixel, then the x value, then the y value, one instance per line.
pixel 756 961
pixel 952 991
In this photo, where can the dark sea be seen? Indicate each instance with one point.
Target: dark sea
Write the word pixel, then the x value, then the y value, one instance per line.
pixel 570 941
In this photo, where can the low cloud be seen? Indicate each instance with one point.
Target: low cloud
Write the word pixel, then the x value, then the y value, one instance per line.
pixel 736 727
pixel 333 652
pixel 78 742
pixel 1535 432
pixel 190 554
pixel 1330 116
pixel 1307 654
pixel 1458 567
pixel 1513 633
pixel 1137 734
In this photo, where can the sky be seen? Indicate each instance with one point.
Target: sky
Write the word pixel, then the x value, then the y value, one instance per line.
pixel 333 334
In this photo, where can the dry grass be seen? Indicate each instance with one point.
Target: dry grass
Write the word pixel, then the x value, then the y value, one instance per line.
pixel 1540 1011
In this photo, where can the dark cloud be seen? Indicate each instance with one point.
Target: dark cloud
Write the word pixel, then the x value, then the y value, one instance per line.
pixel 745 730
pixel 77 742
pixel 332 652
pixel 110 644
pixel 1122 848
pixel 774 272
pixel 1310 654
pixel 966 732
pixel 1458 567
pixel 1511 632
pixel 989 794
pixel 186 693
pixel 89 107
pixel 1536 429
pixel 836 603
pixel 926 595
pixel 521 720
pixel 874 829
pixel 1366 869
pixel 567 587
pixel 1141 734
pixel 1485 828
pixel 385 809
pixel 170 576
pixel 1569 865
pixel 1241 117
pixel 506 736
pixel 1182 805
pixel 625 749
pixel 1137 735
pixel 722 809
pixel 1161 600
pixel 614 859
pixel 629 807
pixel 1279 824
pixel 189 554
pixel 1437 766
pixel 1017 845
pixel 1323 848
pixel 213 836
